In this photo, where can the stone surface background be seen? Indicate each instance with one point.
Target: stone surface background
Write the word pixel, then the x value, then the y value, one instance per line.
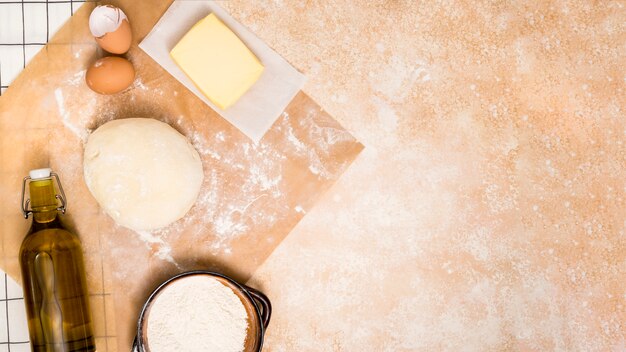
pixel 487 211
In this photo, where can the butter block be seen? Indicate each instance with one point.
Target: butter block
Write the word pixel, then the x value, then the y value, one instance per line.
pixel 217 61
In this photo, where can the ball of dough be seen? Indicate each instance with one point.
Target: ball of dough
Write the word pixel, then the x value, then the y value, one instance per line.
pixel 142 172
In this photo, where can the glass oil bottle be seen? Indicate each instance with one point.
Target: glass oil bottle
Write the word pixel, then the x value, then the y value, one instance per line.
pixel 51 260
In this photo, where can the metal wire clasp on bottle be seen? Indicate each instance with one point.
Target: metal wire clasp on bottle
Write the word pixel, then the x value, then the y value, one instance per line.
pixel 25 203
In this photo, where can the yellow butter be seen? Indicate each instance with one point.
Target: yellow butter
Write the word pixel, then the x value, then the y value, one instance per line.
pixel 217 61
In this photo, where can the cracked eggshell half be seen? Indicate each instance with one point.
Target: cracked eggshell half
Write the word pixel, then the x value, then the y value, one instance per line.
pixel 111 28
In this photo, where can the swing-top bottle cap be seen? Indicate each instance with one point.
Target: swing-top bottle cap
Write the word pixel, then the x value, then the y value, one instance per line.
pixel 40 173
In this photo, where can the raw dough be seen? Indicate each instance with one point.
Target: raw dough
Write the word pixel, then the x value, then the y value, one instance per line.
pixel 144 173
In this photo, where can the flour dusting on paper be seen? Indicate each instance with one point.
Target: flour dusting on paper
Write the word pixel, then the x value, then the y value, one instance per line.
pixel 164 251
pixel 315 163
pixel 81 133
pixel 260 202
pixel 77 78
pixel 245 189
pixel 261 185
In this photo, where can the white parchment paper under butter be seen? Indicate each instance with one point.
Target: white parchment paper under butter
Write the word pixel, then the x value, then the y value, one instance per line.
pixel 257 110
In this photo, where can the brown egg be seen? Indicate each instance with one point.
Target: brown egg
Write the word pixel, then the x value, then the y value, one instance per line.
pixel 110 75
pixel 117 42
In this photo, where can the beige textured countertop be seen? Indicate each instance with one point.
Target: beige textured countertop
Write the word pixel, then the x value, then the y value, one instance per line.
pixel 487 211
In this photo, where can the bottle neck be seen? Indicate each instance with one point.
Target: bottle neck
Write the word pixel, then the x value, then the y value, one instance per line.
pixel 43 200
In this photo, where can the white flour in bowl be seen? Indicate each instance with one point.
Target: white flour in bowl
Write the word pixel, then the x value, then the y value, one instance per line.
pixel 197 313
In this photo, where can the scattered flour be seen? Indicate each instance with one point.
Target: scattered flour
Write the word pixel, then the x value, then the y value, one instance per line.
pixel 139 84
pixel 258 202
pixel 386 115
pixel 198 142
pixel 396 79
pixel 165 250
pixel 81 133
pixel 197 313
pixel 76 79
pixel 316 166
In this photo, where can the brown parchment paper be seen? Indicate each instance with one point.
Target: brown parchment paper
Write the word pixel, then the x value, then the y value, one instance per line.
pixel 253 194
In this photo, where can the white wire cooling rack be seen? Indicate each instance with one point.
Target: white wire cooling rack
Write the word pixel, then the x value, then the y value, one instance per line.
pixel 25 28
pixel 13 326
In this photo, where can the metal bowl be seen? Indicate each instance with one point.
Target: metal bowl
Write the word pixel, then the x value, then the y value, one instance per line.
pixel 257 306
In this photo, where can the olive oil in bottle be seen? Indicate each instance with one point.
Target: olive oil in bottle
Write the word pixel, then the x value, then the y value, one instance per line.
pixel 55 286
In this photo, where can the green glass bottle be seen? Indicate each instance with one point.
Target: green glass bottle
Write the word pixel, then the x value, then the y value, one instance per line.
pixel 53 273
